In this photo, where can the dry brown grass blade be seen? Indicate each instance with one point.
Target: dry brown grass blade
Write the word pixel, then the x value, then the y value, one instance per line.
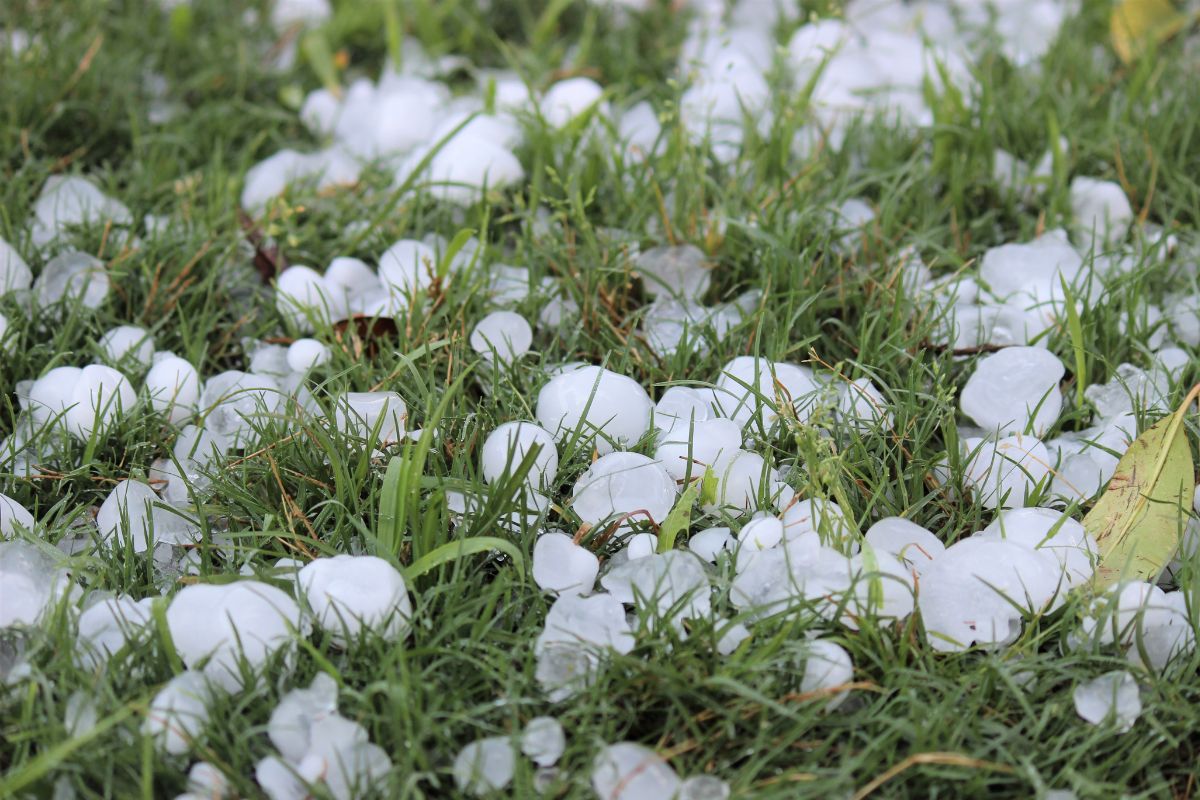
pixel 920 759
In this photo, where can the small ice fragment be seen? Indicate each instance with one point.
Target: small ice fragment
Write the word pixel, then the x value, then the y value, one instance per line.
pixel 1113 695
pixel 630 771
pixel 626 485
pixel 358 414
pixel 1015 389
pixel 484 766
pixel 127 341
pixel 561 566
pixel 704 787
pixel 592 400
pixel 508 445
pixel 173 386
pixel 543 741
pixel 732 636
pixel 81 714
pixel 710 542
pixel 306 354
pixel 179 712
pixel 352 594
pixel 827 666
pixel 72 278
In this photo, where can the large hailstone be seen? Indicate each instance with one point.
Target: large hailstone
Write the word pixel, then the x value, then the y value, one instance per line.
pixel 1053 532
pixel 629 771
pixel 74 279
pixel 1101 209
pixel 350 594
pixel 592 400
pixel 173 386
pixel 484 766
pixel 1113 696
pixel 688 449
pixel 70 200
pixel 502 336
pixel 679 271
pixel 1031 273
pixel 30 584
pixel 127 341
pixel 107 626
pixel 1003 473
pixel 234 402
pixel 408 266
pixel 755 390
pixel 132 513
pixel 827 666
pixel 508 445
pixel 101 396
pixel 1015 389
pixel 179 712
pixel 671 585
pixel 914 545
pixel 218 625
pixel 291 723
pixel 463 167
pixel 360 413
pixel 578 633
pixel 570 98
pixel 621 484
pixel 303 297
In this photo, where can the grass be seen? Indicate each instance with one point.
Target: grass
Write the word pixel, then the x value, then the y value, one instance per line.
pixel 1003 723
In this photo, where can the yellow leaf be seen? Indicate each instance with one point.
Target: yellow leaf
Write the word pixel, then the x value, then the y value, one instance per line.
pixel 1138 520
pixel 1137 24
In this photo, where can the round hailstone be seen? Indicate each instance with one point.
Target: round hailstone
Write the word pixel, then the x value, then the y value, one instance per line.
pixel 704 787
pixel 13 516
pixel 751 388
pixel 484 766
pixel 640 545
pixel 228 622
pixel 127 341
pixel 15 275
pixel 863 407
pixel 76 279
pixel 689 449
pixel 827 666
pixel 543 741
pixel 560 566
pixel 502 335
pixel 629 771
pixel 179 712
pixel 320 112
pixel 882 588
pixel 762 533
pixel 1015 389
pixel 173 386
pixel 621 484
pixel 594 400
pixel 740 475
pixel 680 406
pixel 351 277
pixel 907 541
pixel 1005 472
pixel 233 400
pixel 132 512
pixel 302 297
pixel 1113 696
pixel 1032 271
pixel 107 626
pixel 350 594
pixel 1100 208
pixel 568 99
pixel 52 394
pixel 358 413
pixel 508 445
pixel 825 518
pixel 306 354
pixel 680 271
pixel 711 542
pixel 101 396
pixel 462 168
pixel 1054 532
pixel 408 266
pixel 290 725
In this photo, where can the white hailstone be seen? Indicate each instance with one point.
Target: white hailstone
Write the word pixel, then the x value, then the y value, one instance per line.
pixel 704 787
pixel 1054 532
pixel 289 13
pixel 68 201
pixel 179 711
pixel 1015 389
pixel 711 542
pixel 12 517
pixel 204 780
pixel 882 587
pixel 825 518
pixel 578 632
pixel 343 759
pixel 827 666
pixel 761 533
pixel 463 167
pixel 350 594
pixel 751 389
pixel 688 449
pixel 862 406
pixel 74 279
pixel 127 341
pixel 621 484
pixel 1033 271
pixel 484 766
pixel 291 722
pixel 639 130
pixel 173 386
pixel 319 113
pixel 629 771
pixel 674 583
pixel 640 545
pixel 80 714
pixel 503 336
pixel 306 354
pixel 228 622
pixel 1129 389
pixel 408 266
pixel 267 359
pixel 675 271
pixel 560 566
pixel 508 445
pixel 132 513
pixel 1183 316
pixel 100 397
pixel 279 780
pixel 269 178
pixel 233 401
pixel 741 475
pixel 30 584
pixel 5 345
pixel 914 545
pixel 107 626
pixel 1100 208
pixel 680 406
pixel 977 590
pixel 1152 626
pixel 350 278
pixel 1113 696
pixel 570 98
pixel 360 413
pixel 592 400
pixel 731 638
pixel 543 741
pixel 15 275
pixel 52 394
pixel 303 298
pixel 1005 472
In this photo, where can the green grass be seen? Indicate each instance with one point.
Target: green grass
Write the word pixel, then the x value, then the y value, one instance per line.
pixel 468 668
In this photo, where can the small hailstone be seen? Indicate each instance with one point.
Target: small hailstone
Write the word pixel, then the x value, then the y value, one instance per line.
pixel 350 594
pixel 731 637
pixel 268 359
pixel 561 566
pixel 132 512
pixel 621 484
pixel 408 266
pixel 350 277
pixel 290 724
pixel 80 714
pixel 740 477
pixel 629 771
pixel 907 541
pixel 342 758
pixel 179 712
pixel 1014 389
pixel 863 406
pixel 592 400
pixel 15 275
pixel 12 516
pixel 543 741
pixel 1183 317
pixel 1113 695
pixel 508 445
pixel 306 354
pixel 1031 271
pixel 1100 208
pixel 206 781
pixel 641 545
pixel 751 390
pixel 460 170
pixel 173 386
pixel 679 271
pixel 107 626
pixel 1004 472
pixel 30 584
pixel 578 630
pixel 704 787
pixel 358 413
pixel 67 201
pixel 127 341
pixel 101 396
pixel 320 112
pixel 502 335
pixel 568 99
pixel 690 448
pixel 711 542
pixel 302 296
pixel 278 779
pixel 761 533
pixel 484 766
pixel 827 665
pixel 825 518
pixel 72 278
pixel 680 407
pixel 233 400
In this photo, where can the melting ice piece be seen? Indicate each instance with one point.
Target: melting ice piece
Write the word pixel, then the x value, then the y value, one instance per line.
pixel 358 413
pixel 15 275
pixel 173 386
pixel 620 484
pixel 107 626
pixel 1112 696
pixel 127 341
pixel 751 389
pixel 291 722
pixel 484 766
pixel 1015 389
pixel 826 666
pixel 704 787
pixel 1101 210
pixel 502 336
pixel 593 400
pixel 1006 471
pixel 508 445
pixel 630 771
pixel 133 513
pixel 907 541
pixel 30 584
pixel 543 741
pixel 677 271
pixel 561 566
pixel 179 712
pixel 674 585
pixel 73 279
pixel 350 594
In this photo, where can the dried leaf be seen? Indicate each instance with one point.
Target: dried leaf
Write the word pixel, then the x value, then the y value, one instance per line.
pixel 1139 519
pixel 268 260
pixel 362 335
pixel 1139 24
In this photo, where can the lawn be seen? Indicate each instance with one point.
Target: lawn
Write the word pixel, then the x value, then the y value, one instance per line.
pixel 552 211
